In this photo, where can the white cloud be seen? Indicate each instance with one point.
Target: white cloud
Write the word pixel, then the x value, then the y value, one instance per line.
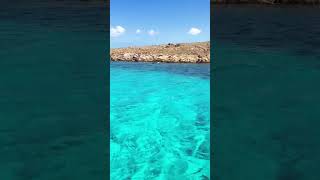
pixel 117 31
pixel 152 32
pixel 138 31
pixel 194 31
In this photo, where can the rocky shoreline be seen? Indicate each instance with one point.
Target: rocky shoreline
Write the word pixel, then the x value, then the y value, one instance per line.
pixel 168 53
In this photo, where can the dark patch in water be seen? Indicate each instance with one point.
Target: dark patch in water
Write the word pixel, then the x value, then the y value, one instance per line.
pixel 203 177
pixel 73 142
pixel 189 152
pixel 288 171
pixel 58 147
pixel 200 70
pixel 201 120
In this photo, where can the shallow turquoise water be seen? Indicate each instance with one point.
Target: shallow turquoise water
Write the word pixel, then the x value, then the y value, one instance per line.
pixel 159 121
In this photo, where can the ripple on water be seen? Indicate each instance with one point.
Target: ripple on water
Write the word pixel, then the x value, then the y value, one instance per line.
pixel 159 122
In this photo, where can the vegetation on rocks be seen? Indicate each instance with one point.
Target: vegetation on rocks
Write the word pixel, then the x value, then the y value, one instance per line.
pixel 170 53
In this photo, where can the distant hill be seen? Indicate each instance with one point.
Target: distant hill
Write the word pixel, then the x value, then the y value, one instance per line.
pixel 170 53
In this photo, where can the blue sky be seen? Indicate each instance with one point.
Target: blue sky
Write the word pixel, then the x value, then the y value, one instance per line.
pixel 146 22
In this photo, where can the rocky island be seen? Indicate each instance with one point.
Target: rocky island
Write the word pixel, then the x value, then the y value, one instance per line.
pixel 168 53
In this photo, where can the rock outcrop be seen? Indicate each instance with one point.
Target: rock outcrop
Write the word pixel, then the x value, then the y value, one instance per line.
pixel 169 53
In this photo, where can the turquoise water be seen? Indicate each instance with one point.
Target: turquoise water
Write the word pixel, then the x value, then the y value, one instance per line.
pixel 53 91
pixel 159 121
pixel 266 93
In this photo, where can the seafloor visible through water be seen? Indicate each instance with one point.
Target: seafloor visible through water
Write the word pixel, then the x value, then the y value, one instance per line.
pixel 160 121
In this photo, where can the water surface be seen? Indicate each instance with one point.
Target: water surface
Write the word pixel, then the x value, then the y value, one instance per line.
pixel 53 92
pixel 160 121
pixel 266 95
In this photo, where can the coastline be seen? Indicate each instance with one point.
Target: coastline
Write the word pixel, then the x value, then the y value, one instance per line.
pixel 198 52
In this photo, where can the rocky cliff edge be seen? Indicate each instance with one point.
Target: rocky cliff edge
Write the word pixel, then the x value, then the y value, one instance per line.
pixel 169 53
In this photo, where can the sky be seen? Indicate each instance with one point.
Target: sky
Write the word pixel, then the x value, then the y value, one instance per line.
pixel 152 22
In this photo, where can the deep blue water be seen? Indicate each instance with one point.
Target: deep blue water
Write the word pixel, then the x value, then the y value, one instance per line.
pixel 160 121
pixel 53 90
pixel 265 92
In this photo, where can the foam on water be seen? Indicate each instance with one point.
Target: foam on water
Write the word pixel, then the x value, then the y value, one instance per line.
pixel 159 123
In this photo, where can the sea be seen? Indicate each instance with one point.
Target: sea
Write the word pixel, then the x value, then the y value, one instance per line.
pixel 53 90
pixel 159 121
pixel 265 108
pixel 54 98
